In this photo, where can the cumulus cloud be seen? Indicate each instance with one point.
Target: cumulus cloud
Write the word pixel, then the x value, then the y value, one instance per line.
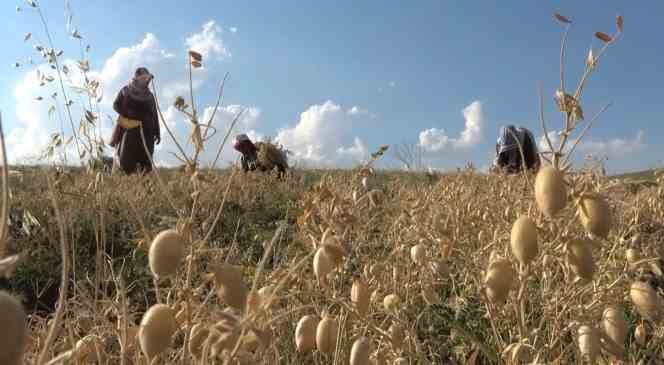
pixel 437 139
pixel 30 132
pixel 612 148
pixel 317 136
pixel 208 42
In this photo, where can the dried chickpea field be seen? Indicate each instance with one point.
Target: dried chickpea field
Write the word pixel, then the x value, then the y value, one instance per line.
pixel 360 266
pixel 339 266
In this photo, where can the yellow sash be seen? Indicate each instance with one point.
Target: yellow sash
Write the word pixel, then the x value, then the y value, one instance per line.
pixel 128 123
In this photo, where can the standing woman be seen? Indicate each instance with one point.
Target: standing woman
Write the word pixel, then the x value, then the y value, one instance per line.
pixel 137 109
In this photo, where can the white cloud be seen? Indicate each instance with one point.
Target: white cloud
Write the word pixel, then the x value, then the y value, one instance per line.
pixel 233 29
pixel 357 152
pixel 392 84
pixel 24 140
pixel 355 110
pixel 208 42
pixel 316 137
pixel 437 139
pixel 615 147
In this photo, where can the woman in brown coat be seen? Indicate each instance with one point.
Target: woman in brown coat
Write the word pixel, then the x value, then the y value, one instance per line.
pixel 137 110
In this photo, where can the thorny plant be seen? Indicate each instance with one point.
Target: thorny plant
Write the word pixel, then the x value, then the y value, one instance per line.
pixel 399 273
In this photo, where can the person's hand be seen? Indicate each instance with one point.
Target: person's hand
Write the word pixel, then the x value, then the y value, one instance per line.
pixel 157 140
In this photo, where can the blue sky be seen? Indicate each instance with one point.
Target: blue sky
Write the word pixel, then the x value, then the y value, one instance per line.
pixel 334 80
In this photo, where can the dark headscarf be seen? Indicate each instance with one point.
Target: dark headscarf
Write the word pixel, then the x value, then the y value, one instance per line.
pixel 138 89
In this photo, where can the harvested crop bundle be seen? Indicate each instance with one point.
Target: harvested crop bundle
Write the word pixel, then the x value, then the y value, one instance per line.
pixel 271 156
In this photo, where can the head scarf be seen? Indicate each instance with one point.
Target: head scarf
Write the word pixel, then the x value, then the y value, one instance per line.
pixel 506 139
pixel 138 89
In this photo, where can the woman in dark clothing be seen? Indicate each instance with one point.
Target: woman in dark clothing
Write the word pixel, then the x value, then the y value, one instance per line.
pixel 137 111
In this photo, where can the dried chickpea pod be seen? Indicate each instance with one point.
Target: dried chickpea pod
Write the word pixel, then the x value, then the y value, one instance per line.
pixel 418 254
pixel 305 333
pixel 595 214
pixel 360 295
pixel 326 334
pixel 156 330
pixel 197 337
pixel 166 253
pixel 632 256
pixel 499 280
pixel 614 326
pixel 391 302
pixel 523 240
pixel 230 285
pixel 550 191
pixel 13 337
pixel 360 352
pixel 580 258
pixel 589 342
pixel 323 266
pixel 645 299
pixel 641 334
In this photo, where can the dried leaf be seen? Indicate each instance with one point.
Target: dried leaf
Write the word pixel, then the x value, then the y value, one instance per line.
pixel 619 23
pixel 8 265
pixel 591 61
pixel 603 37
pixel 16 65
pixel 65 69
pixel 18 9
pixel 195 56
pixel 196 64
pixel 76 34
pixel 32 3
pixel 90 117
pixel 39 98
pixel 577 113
pixel 51 111
pixel 27 36
pixel 84 66
pixel 562 19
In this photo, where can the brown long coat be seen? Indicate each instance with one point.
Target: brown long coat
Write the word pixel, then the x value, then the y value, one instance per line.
pixel 128 142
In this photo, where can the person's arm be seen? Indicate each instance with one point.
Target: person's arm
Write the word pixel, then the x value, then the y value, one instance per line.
pixel 157 127
pixel 118 104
